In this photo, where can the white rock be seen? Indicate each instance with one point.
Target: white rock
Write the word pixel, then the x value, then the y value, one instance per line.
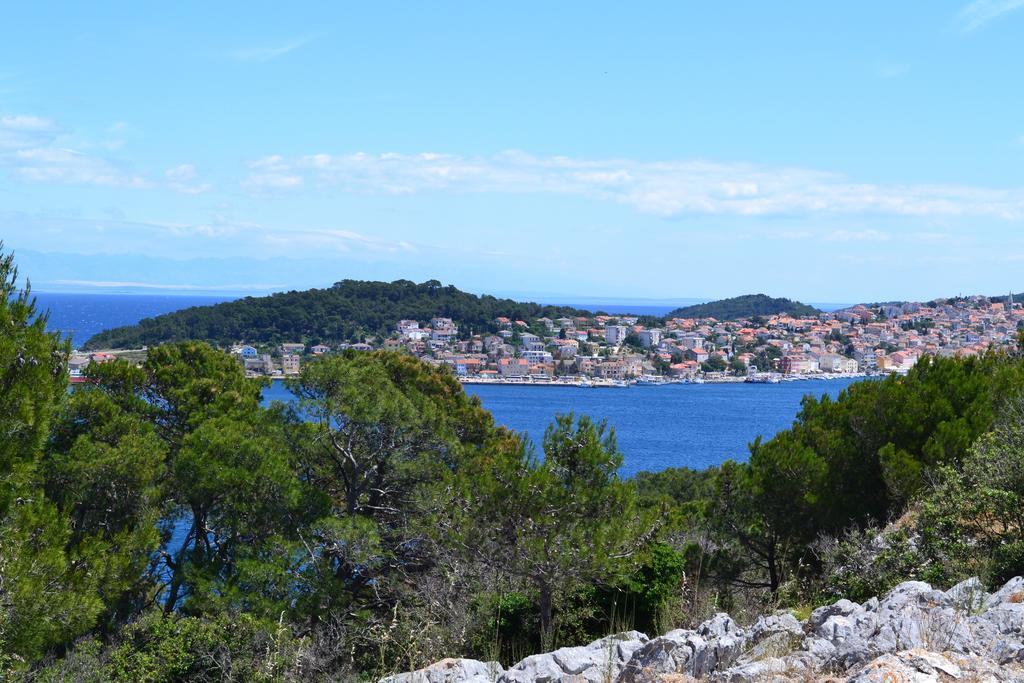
pixel 1012 592
pixel 914 633
pixel 968 596
pixel 450 671
pixel 600 661
pixel 823 614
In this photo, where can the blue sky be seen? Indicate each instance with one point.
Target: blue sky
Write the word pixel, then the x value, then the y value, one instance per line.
pixel 823 151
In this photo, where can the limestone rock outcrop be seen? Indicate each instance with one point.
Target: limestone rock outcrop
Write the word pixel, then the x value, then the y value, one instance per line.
pixel 913 634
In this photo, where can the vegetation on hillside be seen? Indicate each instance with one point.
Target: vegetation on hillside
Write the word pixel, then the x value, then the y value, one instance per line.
pixel 746 306
pixel 348 311
pixel 353 310
pixel 159 523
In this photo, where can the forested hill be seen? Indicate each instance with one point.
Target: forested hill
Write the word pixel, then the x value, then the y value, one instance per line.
pixel 343 312
pixel 746 306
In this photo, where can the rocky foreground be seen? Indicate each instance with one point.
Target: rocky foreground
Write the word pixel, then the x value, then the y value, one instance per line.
pixel 914 634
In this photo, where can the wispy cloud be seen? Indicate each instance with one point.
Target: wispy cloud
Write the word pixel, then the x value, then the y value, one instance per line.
pixel 36 149
pixel 183 179
pixel 26 122
pixel 60 165
pixel 267 53
pixel 271 173
pixel 22 131
pixel 981 12
pixel 338 240
pixel 117 284
pixel 662 188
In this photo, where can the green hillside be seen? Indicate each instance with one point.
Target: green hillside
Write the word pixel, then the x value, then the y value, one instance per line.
pixel 746 306
pixel 343 312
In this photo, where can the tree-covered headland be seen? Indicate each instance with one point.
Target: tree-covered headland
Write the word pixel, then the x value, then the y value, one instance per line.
pixel 745 306
pixel 350 310
pixel 160 523
pixel 354 310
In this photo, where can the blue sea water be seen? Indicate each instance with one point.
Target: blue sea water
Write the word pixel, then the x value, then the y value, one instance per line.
pixel 80 316
pixel 675 425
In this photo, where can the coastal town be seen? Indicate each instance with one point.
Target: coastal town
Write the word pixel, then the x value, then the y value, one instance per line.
pixel 619 350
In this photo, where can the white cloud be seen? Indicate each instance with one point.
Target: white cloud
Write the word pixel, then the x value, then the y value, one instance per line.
pixel 980 12
pixel 108 284
pixel 271 173
pixel 34 148
pixel 181 174
pixel 26 122
pixel 662 188
pixel 268 52
pixel 54 164
pixel 341 240
pixel 181 179
pixel 22 130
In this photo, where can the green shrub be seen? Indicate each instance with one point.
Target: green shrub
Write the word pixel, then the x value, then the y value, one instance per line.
pixel 1007 562
pixel 161 649
pixel 862 564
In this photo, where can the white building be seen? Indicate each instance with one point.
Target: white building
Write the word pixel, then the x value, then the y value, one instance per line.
pixel 649 338
pixel 406 326
pixel 691 341
pixel 530 342
pixel 615 334
pixel 536 357
pixel 833 362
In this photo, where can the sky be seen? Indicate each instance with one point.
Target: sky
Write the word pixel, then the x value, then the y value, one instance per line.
pixel 828 152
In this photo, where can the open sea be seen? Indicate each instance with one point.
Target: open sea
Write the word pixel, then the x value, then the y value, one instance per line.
pixel 691 425
pixel 80 316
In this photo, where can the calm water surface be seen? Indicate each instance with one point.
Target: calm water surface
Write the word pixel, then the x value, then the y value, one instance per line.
pixel 691 425
pixel 80 316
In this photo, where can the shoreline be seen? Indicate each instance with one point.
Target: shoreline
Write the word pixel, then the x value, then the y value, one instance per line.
pixel 623 384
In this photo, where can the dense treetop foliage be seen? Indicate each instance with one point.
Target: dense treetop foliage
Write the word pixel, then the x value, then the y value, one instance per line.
pixel 347 311
pixel 746 306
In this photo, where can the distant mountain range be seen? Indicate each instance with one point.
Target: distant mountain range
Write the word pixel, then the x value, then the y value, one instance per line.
pixel 351 309
pixel 746 306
